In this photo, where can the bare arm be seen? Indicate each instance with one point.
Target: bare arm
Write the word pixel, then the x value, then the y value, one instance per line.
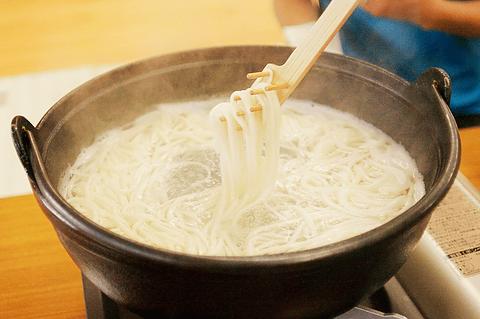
pixel 460 18
pixel 291 12
pixel 456 17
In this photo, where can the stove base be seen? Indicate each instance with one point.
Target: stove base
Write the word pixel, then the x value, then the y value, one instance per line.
pixel 99 306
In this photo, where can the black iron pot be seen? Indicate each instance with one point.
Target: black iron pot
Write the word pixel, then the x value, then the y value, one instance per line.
pixel 319 282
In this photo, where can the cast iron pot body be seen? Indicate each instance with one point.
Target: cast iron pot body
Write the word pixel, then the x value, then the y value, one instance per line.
pixel 319 282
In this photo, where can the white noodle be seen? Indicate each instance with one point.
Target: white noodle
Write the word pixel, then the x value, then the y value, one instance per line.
pixel 320 177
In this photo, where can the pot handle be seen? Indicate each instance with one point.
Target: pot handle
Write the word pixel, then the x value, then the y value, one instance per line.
pixel 436 83
pixel 23 134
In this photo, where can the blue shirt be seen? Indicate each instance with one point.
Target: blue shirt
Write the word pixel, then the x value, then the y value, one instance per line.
pixel 408 51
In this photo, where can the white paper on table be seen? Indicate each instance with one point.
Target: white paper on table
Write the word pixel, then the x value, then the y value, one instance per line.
pixel 31 95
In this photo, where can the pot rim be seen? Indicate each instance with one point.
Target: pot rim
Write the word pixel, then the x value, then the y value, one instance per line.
pixel 90 231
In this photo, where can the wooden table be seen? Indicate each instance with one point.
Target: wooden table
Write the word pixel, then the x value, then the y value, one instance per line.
pixel 37 278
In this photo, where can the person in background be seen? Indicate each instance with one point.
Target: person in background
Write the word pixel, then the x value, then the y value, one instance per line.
pixel 407 37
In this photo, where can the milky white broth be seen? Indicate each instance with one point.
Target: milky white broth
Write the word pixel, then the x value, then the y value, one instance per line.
pixel 157 181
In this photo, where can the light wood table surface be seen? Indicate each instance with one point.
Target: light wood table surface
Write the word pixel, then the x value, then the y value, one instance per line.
pixel 37 278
